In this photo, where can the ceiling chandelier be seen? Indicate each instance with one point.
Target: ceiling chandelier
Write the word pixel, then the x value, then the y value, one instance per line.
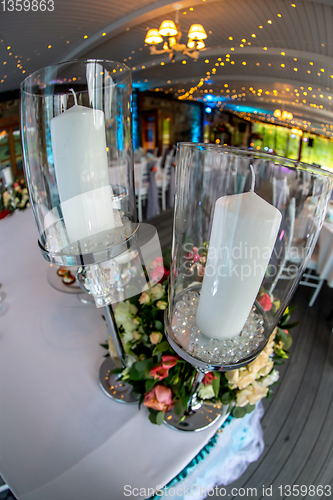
pixel 284 115
pixel 169 34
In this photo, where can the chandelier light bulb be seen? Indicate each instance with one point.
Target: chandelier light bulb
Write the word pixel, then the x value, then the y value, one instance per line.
pixel 201 45
pixel 197 32
pixel 168 28
pixel 191 44
pixel 153 36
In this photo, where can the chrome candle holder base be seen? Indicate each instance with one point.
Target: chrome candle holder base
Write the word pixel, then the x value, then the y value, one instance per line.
pixel 111 386
pixel 198 419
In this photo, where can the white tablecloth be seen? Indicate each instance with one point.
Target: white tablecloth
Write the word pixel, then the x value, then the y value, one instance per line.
pixel 60 436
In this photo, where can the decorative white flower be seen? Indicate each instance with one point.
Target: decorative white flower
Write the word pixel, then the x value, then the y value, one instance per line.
pixel 251 394
pixel 155 337
pixel 127 338
pixel 161 304
pixel 123 312
pixel 259 362
pixel 144 298
pixel 270 379
pixel 265 370
pixel 129 326
pixel 112 349
pixel 206 391
pixel 157 292
pixel 240 378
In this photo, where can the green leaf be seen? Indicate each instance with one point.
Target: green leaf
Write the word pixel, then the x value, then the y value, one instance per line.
pixel 166 254
pixel 289 326
pixel 149 384
pixel 152 417
pixel 216 384
pixel 239 412
pixel 249 408
pixel 285 338
pixel 159 325
pixel 135 375
pixel 179 407
pixel 160 418
pixel 161 347
pixel 227 398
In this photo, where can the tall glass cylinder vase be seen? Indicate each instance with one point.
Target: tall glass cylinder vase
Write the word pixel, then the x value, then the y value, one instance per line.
pixel 245 225
pixel 77 144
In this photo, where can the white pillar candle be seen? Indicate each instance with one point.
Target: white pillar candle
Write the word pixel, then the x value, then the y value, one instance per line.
pixel 81 167
pixel 243 236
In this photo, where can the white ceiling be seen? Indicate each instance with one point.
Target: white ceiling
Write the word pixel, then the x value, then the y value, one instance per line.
pixel 116 30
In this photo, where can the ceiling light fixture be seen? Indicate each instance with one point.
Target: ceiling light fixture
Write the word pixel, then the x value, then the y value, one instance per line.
pixel 284 115
pixel 169 34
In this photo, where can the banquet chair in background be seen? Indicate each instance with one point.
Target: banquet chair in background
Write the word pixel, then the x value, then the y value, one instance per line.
pixel 141 187
pixel 163 180
pixel 292 256
pixel 310 277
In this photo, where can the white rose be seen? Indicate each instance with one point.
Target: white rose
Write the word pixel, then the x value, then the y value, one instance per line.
pixel 259 362
pixel 144 298
pixel 206 391
pixel 130 359
pixel 127 337
pixel 270 379
pixel 157 292
pixel 122 312
pixel 133 309
pixel 161 304
pixel 251 394
pixel 155 337
pixel 266 369
pixel 129 326
pixel 112 349
pixel 232 377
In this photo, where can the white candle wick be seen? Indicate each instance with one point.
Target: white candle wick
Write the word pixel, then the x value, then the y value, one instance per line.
pixel 253 181
pixel 75 99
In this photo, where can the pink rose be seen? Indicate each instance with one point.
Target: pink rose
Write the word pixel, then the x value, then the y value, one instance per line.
pixel 157 262
pixel 159 372
pixel 168 361
pixel 159 398
pixel 208 378
pixel 265 302
pixel 157 273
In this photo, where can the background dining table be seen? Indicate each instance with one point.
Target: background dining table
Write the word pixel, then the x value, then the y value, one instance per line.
pixel 61 437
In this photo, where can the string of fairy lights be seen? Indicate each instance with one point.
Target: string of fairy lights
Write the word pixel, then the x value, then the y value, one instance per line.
pixel 234 53
pixel 300 95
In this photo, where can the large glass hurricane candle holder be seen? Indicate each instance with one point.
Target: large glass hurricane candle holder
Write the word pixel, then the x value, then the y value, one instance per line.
pixel 245 225
pixel 76 130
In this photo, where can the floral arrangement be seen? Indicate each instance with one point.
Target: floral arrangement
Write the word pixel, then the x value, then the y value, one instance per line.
pixel 163 380
pixel 16 199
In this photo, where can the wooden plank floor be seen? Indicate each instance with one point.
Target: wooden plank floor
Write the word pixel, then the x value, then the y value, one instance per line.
pixel 298 420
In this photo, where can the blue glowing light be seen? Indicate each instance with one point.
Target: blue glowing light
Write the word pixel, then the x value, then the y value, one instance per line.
pixel 208 109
